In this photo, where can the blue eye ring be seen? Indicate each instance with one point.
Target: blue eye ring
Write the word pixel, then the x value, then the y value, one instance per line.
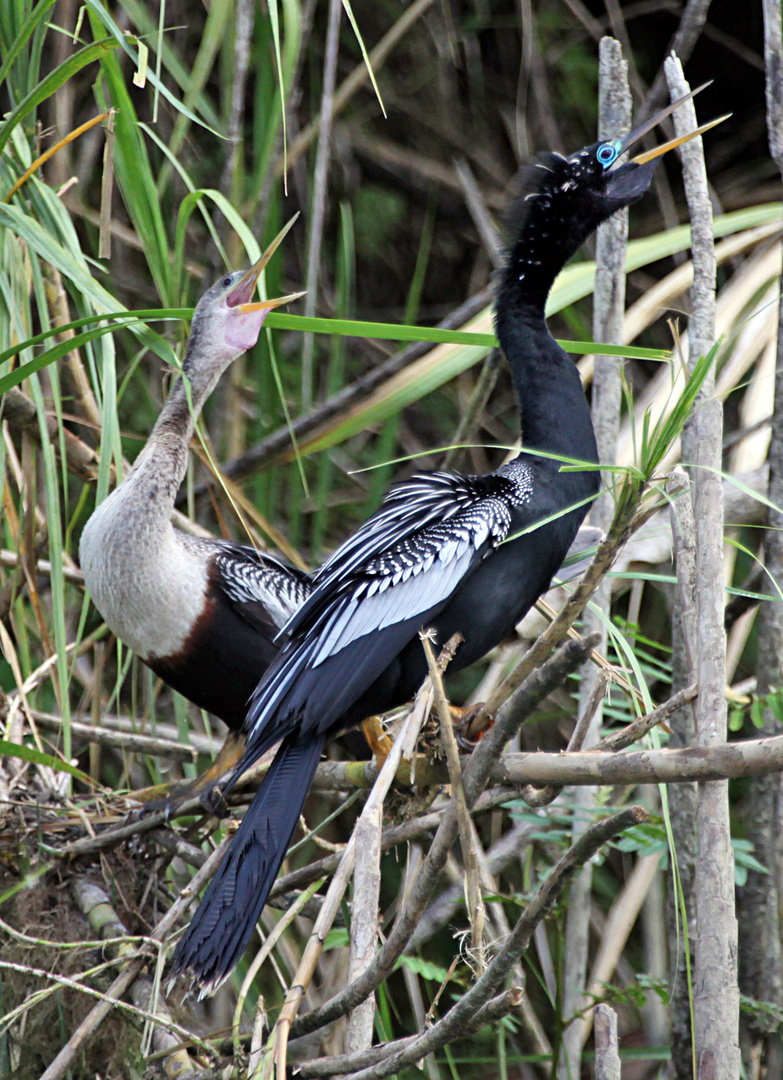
pixel 607 153
pixel 227 281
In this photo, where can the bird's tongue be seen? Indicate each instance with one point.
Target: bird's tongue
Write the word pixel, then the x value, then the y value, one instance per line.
pixel 242 329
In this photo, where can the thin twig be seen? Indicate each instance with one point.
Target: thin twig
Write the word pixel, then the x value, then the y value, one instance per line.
pixel 478 211
pixel 480 994
pixel 95 1018
pixel 495 1010
pixel 476 913
pixel 638 728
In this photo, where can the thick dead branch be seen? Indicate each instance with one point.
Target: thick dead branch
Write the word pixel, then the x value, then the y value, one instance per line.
pixel 727 761
pixel 364 923
pixel 607 1048
pixel 716 1001
pixel 22 417
pixel 758 899
pixel 614 118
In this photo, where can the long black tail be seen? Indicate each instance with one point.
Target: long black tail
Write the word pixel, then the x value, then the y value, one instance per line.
pixel 232 904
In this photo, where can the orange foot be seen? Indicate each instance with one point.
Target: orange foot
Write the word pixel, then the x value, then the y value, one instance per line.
pixel 377 739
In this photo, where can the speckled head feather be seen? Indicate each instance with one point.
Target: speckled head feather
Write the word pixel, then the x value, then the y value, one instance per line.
pixel 562 201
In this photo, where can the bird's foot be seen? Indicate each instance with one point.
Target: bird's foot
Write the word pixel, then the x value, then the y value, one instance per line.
pixel 470 725
pixel 170 797
pixel 377 739
pixel 214 801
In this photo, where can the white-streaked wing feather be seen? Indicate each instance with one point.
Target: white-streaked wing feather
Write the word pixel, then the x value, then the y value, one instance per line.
pixel 406 560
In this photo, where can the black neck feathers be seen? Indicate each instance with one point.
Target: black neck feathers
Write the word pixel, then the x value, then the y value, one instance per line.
pixel 563 201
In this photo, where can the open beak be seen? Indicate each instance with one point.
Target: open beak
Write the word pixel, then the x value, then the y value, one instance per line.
pixel 268 305
pixel 242 293
pixel 670 145
pixel 658 151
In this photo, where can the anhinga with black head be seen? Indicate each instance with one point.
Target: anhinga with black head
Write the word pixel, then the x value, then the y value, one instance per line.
pixel 202 613
pixel 457 553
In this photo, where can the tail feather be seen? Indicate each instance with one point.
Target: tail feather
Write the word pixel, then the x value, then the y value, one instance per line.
pixel 232 904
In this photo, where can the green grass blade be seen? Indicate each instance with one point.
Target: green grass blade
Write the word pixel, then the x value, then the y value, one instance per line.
pixel 365 57
pixel 57 78
pixel 102 17
pixel 28 28
pixel 37 757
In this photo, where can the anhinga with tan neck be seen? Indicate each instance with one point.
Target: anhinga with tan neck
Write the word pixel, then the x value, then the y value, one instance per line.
pixel 202 613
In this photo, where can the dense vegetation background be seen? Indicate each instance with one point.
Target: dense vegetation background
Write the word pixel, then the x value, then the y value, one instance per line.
pixel 399 225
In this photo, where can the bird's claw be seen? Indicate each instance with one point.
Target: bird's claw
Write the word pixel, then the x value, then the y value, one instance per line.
pixel 214 802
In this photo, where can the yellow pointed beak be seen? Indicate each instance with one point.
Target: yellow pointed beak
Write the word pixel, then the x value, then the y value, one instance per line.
pixel 242 292
pixel 648 155
pixel 268 305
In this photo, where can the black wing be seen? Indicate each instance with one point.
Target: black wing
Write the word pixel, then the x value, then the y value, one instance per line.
pixel 396 572
pixel 262 588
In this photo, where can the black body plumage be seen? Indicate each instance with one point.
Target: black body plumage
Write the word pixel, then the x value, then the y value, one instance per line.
pixel 456 553
pixel 251 595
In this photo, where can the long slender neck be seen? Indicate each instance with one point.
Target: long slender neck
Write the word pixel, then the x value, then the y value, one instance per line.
pixel 160 467
pixel 554 413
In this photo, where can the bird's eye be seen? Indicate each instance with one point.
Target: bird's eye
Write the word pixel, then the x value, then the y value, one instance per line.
pixel 607 153
pixel 226 282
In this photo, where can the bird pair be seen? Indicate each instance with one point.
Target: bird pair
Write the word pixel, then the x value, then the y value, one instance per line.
pixel 467 554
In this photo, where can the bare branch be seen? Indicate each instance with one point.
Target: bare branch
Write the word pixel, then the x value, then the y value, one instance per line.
pixel 476 913
pixel 607 1049
pixel 716 1003
pixel 475 778
pixel 724 761
pixel 481 993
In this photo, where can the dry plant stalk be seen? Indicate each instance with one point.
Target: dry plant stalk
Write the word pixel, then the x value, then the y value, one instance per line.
pixel 278 1042
pixel 759 899
pixel 475 902
pixel 716 999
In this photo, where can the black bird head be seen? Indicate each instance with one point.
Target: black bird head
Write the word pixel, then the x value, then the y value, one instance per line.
pixel 565 199
pixel 227 321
